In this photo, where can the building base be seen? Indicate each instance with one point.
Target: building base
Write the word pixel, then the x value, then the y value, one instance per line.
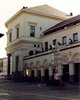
pixel 71 78
pixel 18 76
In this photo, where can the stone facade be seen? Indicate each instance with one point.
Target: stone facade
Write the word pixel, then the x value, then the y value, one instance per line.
pixel 41 57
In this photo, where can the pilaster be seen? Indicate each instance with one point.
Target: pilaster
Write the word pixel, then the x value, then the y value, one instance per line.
pixel 71 72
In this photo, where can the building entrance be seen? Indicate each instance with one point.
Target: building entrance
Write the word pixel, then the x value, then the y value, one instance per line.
pixel 77 72
pixel 39 75
pixel 65 76
pixel 32 75
pixel 46 77
pixel 53 74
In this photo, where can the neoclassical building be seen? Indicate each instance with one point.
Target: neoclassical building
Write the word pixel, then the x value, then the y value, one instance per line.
pixel 42 43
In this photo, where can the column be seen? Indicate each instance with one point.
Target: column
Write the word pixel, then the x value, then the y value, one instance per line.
pixel 71 72
pixel 42 74
pixel 29 72
pixel 60 72
pixel 50 72
pixel 8 66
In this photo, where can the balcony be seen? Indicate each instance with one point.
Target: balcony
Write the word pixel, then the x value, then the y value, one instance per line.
pixel 23 39
pixel 50 51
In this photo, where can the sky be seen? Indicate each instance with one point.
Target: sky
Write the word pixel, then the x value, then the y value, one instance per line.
pixel 9 7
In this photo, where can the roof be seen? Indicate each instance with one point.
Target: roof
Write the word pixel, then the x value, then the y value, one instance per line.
pixel 48 10
pixel 1 34
pixel 44 10
pixel 61 25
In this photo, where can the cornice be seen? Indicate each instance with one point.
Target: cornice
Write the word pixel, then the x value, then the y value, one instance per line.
pixel 33 12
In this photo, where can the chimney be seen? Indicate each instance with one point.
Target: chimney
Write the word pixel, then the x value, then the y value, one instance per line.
pixel 24 7
pixel 71 14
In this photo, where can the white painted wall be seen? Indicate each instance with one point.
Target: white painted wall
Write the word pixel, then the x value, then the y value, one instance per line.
pixel 5 66
pixel 58 35
pixel 25 20
pixel 38 21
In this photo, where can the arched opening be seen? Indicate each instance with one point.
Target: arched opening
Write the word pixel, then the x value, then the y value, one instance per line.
pixel 76 72
pixel 76 60
pixel 65 76
pixel 39 75
pixel 32 75
pixel 46 75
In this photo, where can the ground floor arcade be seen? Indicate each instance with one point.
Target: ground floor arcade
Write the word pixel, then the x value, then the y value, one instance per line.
pixel 65 73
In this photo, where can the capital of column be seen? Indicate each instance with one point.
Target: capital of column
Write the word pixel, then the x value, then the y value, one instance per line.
pixel 9 54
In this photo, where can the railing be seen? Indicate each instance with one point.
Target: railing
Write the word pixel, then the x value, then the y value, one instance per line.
pixel 61 48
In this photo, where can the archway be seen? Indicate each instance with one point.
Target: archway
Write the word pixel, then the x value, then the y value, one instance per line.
pixel 76 60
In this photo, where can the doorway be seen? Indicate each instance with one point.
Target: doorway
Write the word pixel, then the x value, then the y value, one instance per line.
pixel 32 75
pixel 46 77
pixel 76 72
pixel 65 76
pixel 39 75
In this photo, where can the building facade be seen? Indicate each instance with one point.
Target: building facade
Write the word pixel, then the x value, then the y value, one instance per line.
pixel 37 51
pixel 3 66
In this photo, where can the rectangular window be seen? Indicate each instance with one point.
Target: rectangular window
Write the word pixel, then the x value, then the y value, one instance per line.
pixel 46 46
pixel 32 31
pixel 54 42
pixel 38 46
pixel 75 37
pixel 34 45
pixel 17 62
pixel 64 40
pixel 10 37
pixel 17 32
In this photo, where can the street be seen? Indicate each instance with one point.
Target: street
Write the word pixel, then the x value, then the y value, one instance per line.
pixel 28 91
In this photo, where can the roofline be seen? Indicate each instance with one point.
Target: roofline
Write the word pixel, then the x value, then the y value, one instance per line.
pixel 33 12
pixel 66 28
pixel 50 30
pixel 9 20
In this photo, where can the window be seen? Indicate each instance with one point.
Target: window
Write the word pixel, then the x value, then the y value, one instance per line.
pixel 10 36
pixel 54 42
pixel 17 31
pixel 38 46
pixel 30 52
pixel 34 45
pixel 32 31
pixel 17 62
pixel 46 46
pixel 75 37
pixel 17 27
pixel 64 40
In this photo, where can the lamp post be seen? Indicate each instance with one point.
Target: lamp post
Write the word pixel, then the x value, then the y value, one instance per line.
pixel 1 34
pixel 56 52
pixel 59 59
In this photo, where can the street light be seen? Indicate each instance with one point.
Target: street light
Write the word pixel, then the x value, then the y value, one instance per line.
pixel 59 58
pixel 1 34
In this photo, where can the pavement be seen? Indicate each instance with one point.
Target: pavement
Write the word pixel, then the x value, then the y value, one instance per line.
pixel 10 90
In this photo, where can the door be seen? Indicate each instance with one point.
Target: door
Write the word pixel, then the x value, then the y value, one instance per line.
pixel 39 75
pixel 32 75
pixel 46 46
pixel 76 72
pixel 46 77
pixel 65 76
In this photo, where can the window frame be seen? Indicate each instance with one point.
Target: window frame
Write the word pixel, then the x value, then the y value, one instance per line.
pixel 16 63
pixel 74 37
pixel 32 30
pixel 64 40
pixel 10 37
pixel 17 32
pixel 46 46
pixel 54 41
